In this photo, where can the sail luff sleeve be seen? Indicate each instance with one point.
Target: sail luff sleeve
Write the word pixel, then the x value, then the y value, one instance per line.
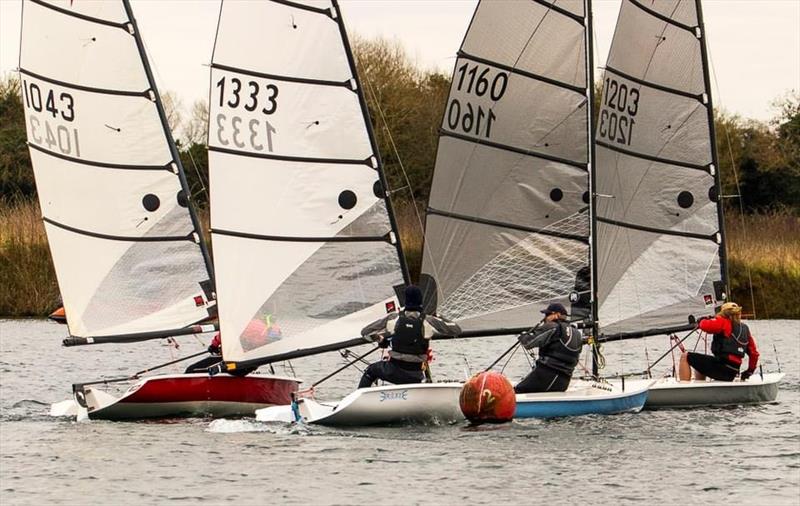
pixel 375 152
pixel 105 177
pixel 176 157
pixel 658 229
pixel 723 249
pixel 305 248
pixel 510 186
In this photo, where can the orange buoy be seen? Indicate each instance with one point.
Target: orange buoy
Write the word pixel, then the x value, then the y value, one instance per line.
pixel 488 397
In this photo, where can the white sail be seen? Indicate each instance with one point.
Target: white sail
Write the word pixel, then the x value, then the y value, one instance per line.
pixel 658 231
pixel 304 250
pixel 658 217
pixel 126 251
pixel 508 220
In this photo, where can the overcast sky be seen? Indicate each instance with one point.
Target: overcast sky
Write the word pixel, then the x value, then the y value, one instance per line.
pixel 754 44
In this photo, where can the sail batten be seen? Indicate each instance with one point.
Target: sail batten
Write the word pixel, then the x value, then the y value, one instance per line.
pixel 523 73
pixel 298 198
pixel 125 243
pixel 521 151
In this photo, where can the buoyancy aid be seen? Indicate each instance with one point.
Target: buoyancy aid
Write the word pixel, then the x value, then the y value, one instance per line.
pixel 563 350
pixel 735 344
pixel 408 337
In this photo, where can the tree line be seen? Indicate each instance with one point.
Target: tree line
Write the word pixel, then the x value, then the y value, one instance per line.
pixel 759 161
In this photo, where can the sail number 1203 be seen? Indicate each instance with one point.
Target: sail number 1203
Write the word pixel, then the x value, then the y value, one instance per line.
pixel 619 108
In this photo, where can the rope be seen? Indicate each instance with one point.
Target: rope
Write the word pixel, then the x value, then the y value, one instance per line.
pixel 738 187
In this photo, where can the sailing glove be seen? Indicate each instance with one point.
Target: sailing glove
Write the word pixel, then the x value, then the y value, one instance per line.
pixel 746 375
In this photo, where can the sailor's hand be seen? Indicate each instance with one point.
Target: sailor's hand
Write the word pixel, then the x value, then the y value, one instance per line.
pixel 525 339
pixel 214 350
pixel 745 375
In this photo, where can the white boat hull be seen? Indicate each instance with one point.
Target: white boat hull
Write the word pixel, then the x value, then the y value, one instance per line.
pixel 670 393
pixel 384 405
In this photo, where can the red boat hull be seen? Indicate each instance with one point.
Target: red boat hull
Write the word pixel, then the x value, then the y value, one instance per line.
pixel 192 395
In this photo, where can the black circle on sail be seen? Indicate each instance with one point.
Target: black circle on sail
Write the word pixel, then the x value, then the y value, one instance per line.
pixel 347 199
pixel 685 199
pixel 151 202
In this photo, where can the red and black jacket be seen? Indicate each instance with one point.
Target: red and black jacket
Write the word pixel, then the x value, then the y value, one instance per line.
pixel 727 344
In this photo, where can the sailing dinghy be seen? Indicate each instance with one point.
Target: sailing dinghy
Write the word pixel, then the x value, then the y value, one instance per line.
pixel 660 228
pixel 303 229
pixel 510 211
pixel 125 241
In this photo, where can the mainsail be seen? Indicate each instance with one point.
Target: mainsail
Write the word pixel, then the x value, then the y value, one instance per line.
pixel 125 243
pixel 659 233
pixel 305 251
pixel 508 219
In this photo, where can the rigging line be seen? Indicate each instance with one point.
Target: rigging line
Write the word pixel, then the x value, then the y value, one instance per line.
pixel 390 192
pixel 203 188
pixel 736 180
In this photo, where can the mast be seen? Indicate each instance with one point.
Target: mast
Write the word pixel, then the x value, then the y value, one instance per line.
pixel 176 158
pixel 376 153
pixel 723 255
pixel 592 184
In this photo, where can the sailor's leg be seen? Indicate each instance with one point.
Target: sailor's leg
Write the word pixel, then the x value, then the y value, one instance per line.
pixel 371 374
pixel 684 369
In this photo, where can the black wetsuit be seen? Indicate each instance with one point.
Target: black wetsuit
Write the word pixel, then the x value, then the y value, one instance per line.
pixel 559 349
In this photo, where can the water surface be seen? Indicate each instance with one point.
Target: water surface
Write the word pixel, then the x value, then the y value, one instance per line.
pixel 738 455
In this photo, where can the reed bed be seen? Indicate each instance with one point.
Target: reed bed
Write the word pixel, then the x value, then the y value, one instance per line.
pixel 764 248
pixel 764 253
pixel 27 279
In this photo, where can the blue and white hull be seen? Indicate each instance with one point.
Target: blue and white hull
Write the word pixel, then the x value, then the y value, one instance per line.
pixel 582 398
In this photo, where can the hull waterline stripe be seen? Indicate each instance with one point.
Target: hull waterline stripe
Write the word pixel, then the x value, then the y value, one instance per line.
pixel 285 158
pixel 90 89
pixel 662 17
pixel 319 82
pixel 288 3
pixel 505 147
pixel 659 87
pixel 118 237
pixel 560 10
pixel 81 16
pixel 658 159
pixel 520 228
pixel 654 230
pixel 523 73
pixel 81 161
pixel 280 238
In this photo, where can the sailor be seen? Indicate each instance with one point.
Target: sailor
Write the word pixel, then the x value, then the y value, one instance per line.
pixel 559 346
pixel 215 352
pixel 731 342
pixel 409 333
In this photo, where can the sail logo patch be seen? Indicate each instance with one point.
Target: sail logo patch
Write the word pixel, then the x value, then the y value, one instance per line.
pixel 708 300
pixel 390 306
pixel 199 301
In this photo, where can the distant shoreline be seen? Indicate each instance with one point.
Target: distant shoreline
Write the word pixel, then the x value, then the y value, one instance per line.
pixel 762 247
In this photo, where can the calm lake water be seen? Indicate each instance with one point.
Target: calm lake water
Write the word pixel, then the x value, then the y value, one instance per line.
pixel 739 455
